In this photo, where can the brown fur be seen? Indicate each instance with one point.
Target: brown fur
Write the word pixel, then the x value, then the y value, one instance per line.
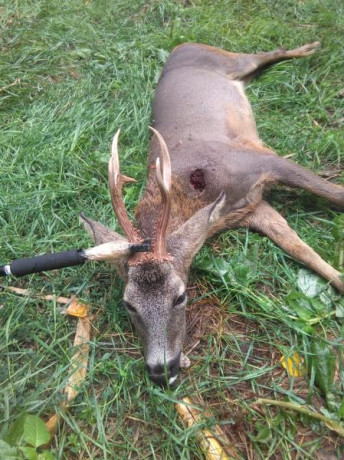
pixel 182 207
pixel 201 109
pixel 237 217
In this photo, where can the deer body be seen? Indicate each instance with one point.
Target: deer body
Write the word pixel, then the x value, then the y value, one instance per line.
pixel 219 168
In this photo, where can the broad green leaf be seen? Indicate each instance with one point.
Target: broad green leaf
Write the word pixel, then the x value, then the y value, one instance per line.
pixel 46 455
pixel 309 283
pixel 242 272
pixel 332 402
pixel 16 431
pixel 221 266
pixel 301 305
pixel 7 452
pixel 329 296
pixel 35 431
pixel 307 328
pixel 263 435
pixel 29 453
pixel 340 309
pixel 323 361
pixel 319 307
pixel 214 265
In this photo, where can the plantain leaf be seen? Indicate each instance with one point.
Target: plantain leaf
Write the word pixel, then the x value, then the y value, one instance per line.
pixel 300 305
pixel 323 361
pixel 35 431
pixel 310 284
pixel 264 434
pixel 16 431
pixel 46 455
pixel 29 453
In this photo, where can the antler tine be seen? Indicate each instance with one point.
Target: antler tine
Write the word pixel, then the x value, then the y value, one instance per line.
pixel 116 180
pixel 163 175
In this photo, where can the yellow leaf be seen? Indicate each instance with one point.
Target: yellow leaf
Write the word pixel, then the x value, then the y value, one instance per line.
pixel 210 445
pixel 76 308
pixel 79 360
pixel 294 365
pixel 51 424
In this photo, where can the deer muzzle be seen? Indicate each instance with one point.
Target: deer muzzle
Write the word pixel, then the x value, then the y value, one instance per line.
pixel 165 374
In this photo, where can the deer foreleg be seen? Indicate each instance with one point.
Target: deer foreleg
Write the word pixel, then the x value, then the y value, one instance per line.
pixel 268 221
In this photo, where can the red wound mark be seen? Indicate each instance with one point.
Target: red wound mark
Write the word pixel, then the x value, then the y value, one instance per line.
pixel 197 180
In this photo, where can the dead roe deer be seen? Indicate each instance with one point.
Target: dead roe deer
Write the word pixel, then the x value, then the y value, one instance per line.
pixel 208 172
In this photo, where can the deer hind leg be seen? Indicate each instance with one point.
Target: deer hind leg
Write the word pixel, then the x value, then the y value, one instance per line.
pixel 268 221
pixel 252 65
pixel 293 175
pixel 237 66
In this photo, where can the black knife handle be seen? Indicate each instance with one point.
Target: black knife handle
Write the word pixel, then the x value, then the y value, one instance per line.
pixel 28 265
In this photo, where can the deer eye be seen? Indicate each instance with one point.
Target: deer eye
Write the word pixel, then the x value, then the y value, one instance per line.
pixel 129 307
pixel 181 299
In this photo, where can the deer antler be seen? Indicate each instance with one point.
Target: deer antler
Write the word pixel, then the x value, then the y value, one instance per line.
pixel 116 181
pixel 163 175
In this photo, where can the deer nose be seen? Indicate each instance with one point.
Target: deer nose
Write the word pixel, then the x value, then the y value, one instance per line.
pixel 164 374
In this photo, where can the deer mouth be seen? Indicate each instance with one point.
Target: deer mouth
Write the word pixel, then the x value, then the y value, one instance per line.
pixel 165 375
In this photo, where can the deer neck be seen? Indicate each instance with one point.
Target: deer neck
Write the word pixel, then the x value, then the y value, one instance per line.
pixel 148 209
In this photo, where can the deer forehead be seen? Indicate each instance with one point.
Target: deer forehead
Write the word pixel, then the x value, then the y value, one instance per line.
pixel 153 279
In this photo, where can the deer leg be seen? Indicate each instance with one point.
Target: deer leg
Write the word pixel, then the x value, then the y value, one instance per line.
pixel 251 65
pixel 268 221
pixel 293 175
pixel 238 66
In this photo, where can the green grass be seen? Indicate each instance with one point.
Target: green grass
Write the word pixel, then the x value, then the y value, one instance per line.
pixel 74 71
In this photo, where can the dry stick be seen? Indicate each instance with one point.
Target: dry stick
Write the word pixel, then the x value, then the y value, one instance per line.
pixel 78 372
pixel 26 292
pixel 333 425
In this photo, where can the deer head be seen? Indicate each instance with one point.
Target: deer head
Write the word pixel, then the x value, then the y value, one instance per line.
pixel 155 282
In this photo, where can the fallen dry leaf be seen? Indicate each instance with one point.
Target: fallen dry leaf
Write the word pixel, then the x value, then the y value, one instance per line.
pixel 210 445
pixel 76 308
pixel 79 360
pixel 26 292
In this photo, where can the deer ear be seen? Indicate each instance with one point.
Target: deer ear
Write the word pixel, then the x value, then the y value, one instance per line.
pixel 185 242
pixel 98 232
